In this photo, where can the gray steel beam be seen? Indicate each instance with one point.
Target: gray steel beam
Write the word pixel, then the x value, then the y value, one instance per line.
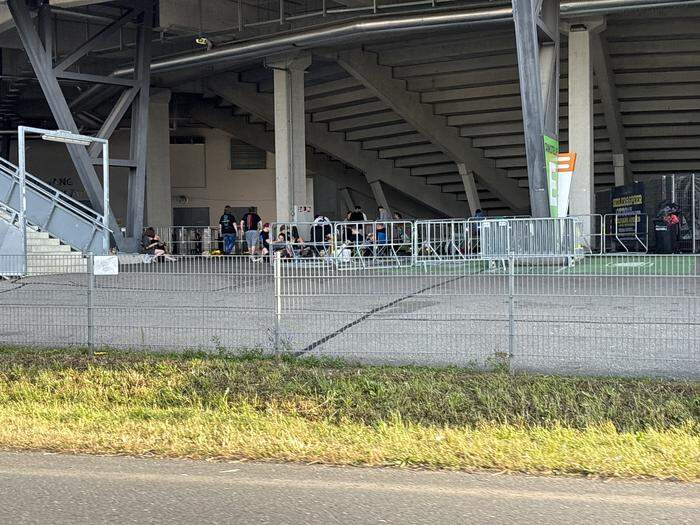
pixel 45 26
pixel 379 79
pixel 608 94
pixel 42 64
pixel 537 45
pixel 113 119
pixel 96 79
pixel 246 96
pixel 139 127
pixel 97 39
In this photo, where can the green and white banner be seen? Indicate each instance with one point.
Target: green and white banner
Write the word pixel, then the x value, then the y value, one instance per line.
pixel 551 149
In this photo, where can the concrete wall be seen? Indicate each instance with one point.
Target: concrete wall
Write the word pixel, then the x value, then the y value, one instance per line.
pixel 222 185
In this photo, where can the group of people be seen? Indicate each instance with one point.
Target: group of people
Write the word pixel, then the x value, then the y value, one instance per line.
pixel 260 241
pixel 251 228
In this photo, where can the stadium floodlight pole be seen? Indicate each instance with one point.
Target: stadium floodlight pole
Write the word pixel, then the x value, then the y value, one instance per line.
pixel 65 137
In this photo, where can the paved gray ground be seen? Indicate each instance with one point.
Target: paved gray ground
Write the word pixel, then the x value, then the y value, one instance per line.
pixel 48 488
pixel 439 315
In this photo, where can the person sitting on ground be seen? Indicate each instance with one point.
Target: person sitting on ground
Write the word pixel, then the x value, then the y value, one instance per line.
pixel 320 232
pixel 380 228
pixel 151 244
pixel 265 239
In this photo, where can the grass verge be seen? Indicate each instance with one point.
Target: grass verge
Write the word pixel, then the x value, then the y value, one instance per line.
pixel 320 411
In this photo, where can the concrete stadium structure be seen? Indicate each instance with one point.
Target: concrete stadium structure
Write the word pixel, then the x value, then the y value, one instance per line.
pixel 433 109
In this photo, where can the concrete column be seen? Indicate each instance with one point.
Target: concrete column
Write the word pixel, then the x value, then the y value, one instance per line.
pixel 310 192
pixel 619 166
pixel 469 187
pixel 347 199
pixel 159 211
pixel 582 199
pixel 290 135
pixel 379 195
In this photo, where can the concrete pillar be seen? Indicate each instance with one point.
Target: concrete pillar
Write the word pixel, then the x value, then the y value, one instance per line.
pixel 310 192
pixel 159 211
pixel 619 166
pixel 469 187
pixel 290 135
pixel 379 195
pixel 582 198
pixel 347 199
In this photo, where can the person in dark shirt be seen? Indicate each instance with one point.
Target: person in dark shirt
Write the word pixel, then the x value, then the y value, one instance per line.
pixel 228 229
pixel 151 244
pixel 249 226
pixel 358 215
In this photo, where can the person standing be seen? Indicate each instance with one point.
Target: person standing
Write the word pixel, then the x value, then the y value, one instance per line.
pixel 228 230
pixel 250 223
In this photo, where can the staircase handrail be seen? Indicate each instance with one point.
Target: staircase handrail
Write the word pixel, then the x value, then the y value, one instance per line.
pixel 14 214
pixel 55 195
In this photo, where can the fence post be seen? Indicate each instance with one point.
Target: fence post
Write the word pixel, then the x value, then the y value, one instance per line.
pixel 90 311
pixel 278 299
pixel 511 315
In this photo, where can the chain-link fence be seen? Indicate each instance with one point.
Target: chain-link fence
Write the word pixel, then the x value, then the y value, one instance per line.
pixel 602 314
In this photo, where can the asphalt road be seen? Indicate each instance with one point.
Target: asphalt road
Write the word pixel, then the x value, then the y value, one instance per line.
pixel 58 489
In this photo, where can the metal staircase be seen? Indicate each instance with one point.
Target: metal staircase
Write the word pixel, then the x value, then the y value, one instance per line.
pixel 49 210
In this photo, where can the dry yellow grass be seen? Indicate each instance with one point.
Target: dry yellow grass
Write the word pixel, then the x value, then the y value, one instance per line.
pixel 243 432
pixel 305 411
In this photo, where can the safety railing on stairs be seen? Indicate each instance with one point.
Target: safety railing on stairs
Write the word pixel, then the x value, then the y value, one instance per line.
pixel 53 211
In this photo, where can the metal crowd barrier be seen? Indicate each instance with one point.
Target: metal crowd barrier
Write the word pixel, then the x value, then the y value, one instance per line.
pixel 537 239
pixel 626 232
pixel 189 240
pixel 297 240
pixel 447 240
pixel 374 243
pixel 365 244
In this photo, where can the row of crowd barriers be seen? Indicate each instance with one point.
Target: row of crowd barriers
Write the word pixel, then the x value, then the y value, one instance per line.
pixel 437 240
pixel 405 243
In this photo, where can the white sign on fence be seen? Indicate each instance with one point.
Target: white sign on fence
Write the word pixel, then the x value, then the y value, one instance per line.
pixel 105 265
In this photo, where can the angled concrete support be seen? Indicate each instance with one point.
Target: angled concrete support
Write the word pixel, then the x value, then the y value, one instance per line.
pixel 611 106
pixel 290 135
pixel 537 44
pixel 246 96
pixel 256 135
pixel 469 187
pixel 408 105
pixel 347 198
pixel 379 195
pixel 620 163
